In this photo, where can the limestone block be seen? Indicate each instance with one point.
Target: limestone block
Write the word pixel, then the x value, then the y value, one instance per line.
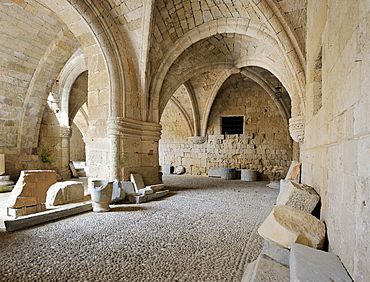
pixel 286 225
pixel 65 192
pixel 31 188
pixel 294 171
pixel 2 164
pixel 137 180
pixel 118 192
pixel 167 169
pixel 266 269
pixel 281 255
pixel 214 172
pixel 128 187
pixel 156 187
pixel 299 196
pixel 308 264
pixel 146 191
pixel 179 170
pixel 248 175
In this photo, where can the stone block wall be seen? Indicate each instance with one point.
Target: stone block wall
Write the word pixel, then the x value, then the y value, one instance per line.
pixel 335 154
pixel 265 145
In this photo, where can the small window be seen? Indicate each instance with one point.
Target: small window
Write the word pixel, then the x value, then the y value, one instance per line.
pixel 232 125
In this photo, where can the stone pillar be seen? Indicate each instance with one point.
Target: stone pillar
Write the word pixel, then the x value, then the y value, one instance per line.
pixel 115 148
pixel 2 164
pixel 65 135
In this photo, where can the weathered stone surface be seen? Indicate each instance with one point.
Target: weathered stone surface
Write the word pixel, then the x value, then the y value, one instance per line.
pixel 118 192
pixel 275 252
pixel 266 269
pixel 128 187
pixel 2 164
pixel 31 188
pixel 65 192
pixel 146 191
pixel 214 172
pixel 167 169
pixel 179 170
pixel 286 225
pixel 137 180
pixel 248 175
pixel 227 173
pixel 299 196
pixel 294 171
pixel 136 199
pixel 101 194
pixel 308 264
pixel 156 187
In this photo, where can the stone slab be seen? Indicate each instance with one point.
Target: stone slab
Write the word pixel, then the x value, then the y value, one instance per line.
pixel 118 192
pixel 137 180
pixel 146 191
pixel 156 187
pixel 17 212
pixel 65 192
pixel 137 199
pixel 128 187
pixel 266 269
pixel 286 225
pixel 38 218
pixel 281 255
pixel 294 171
pixel 31 188
pixel 308 264
pixel 299 196
pixel 2 164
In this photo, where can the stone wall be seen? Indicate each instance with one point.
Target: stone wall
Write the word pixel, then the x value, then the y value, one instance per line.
pixel 265 144
pixel 336 150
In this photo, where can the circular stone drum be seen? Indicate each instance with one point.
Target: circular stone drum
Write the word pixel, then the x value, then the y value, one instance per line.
pixel 227 173
pixel 248 175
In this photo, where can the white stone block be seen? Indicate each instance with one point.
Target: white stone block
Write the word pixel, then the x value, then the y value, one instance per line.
pixel 65 192
pixel 308 264
pixel 137 180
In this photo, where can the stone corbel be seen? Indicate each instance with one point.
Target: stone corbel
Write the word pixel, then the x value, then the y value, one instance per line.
pixel 197 139
pixel 296 128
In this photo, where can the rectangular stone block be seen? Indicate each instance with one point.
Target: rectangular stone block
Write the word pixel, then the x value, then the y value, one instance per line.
pixel 299 196
pixel 137 180
pixel 31 188
pixel 308 264
pixel 286 225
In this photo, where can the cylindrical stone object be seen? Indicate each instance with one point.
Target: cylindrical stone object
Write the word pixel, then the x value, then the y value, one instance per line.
pixel 248 175
pixel 227 173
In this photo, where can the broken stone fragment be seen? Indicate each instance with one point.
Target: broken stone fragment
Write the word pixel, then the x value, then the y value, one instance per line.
pixel 65 192
pixel 299 196
pixel 146 191
pixel 286 225
pixel 31 188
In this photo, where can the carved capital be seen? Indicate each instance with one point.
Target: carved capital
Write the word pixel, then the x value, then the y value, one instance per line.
pixel 65 132
pixel 296 128
pixel 197 139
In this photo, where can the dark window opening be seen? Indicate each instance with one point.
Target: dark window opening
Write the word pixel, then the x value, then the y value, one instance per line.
pixel 232 125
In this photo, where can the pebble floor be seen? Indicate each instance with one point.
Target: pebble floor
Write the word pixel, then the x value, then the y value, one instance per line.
pixel 204 230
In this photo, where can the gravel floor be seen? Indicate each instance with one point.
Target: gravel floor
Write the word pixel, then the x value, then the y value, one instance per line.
pixel 204 230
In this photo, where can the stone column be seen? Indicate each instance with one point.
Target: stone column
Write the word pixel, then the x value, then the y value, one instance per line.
pixel 2 164
pixel 65 135
pixel 115 147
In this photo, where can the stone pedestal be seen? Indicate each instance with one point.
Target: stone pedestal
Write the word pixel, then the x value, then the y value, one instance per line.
pixel 248 175
pixel 101 194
